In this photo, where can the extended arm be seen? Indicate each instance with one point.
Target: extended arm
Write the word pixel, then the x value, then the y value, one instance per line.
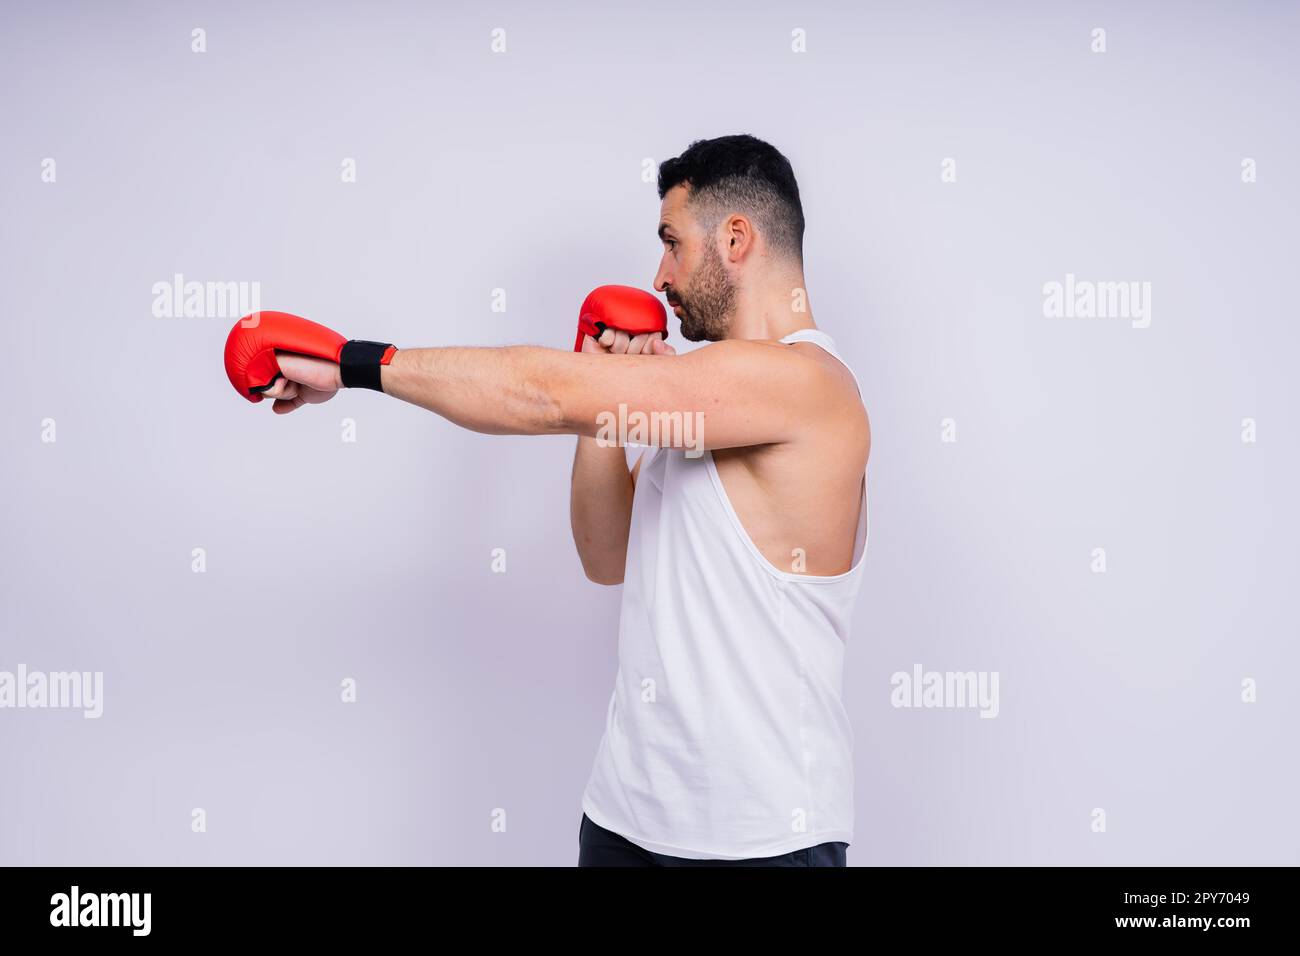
pixel 745 393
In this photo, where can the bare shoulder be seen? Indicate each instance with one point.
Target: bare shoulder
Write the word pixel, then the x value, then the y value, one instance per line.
pixel 840 389
pixel 803 394
pixel 837 371
pixel 785 363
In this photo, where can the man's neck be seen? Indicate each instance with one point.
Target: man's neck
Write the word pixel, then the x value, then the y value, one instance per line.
pixel 772 310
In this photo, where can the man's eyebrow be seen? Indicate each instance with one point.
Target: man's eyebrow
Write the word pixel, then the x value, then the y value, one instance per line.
pixel 663 227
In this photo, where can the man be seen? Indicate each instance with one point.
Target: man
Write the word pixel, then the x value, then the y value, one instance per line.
pixel 726 740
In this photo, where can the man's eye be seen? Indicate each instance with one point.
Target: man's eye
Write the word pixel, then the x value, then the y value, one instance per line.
pixel 670 243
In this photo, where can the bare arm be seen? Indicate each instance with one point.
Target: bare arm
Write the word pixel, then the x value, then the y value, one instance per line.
pixel 600 509
pixel 744 393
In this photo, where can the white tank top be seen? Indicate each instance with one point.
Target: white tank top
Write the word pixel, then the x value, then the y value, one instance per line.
pixel 726 736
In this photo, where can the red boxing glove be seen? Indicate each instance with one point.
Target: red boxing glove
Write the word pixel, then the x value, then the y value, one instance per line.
pixel 620 307
pixel 252 343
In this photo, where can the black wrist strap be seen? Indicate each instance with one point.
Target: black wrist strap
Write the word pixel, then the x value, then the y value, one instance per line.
pixel 359 363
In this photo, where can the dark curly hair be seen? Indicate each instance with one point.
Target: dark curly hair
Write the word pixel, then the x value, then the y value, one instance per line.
pixel 741 174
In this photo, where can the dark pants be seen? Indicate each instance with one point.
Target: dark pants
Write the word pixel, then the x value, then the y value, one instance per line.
pixel 600 847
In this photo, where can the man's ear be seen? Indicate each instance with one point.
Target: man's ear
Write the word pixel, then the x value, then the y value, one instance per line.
pixel 740 237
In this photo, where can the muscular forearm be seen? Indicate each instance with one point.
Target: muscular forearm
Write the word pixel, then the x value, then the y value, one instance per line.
pixel 600 509
pixel 498 391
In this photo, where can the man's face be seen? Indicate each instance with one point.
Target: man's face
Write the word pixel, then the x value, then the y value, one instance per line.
pixel 691 273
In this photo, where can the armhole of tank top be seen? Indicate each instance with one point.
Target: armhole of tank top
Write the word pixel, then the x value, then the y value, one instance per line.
pixel 859 545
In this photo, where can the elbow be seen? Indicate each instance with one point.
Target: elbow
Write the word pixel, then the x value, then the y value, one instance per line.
pixel 606 576
pixel 544 415
pixel 555 421
pixel 565 409
pixel 557 416
pixel 536 404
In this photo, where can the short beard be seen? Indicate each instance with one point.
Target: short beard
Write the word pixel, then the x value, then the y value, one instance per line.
pixel 708 304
